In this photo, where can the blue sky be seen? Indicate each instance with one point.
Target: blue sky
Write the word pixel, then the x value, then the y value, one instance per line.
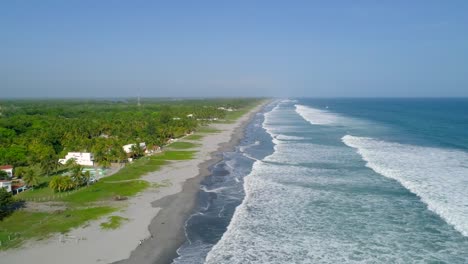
pixel 233 48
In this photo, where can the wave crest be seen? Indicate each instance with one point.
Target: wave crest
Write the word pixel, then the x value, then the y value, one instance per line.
pixel 438 176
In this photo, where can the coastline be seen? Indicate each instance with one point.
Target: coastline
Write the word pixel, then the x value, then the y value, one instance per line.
pixel 156 216
pixel 168 227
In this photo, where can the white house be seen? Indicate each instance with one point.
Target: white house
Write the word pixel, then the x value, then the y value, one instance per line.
pixel 81 158
pixel 128 148
pixel 6 184
pixel 8 169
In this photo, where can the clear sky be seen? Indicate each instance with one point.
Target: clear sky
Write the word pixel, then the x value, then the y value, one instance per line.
pixel 233 48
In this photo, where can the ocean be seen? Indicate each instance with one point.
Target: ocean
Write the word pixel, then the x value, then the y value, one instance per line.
pixel 339 181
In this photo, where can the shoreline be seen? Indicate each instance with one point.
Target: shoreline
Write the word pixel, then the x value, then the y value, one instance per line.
pixel 177 208
pixel 156 216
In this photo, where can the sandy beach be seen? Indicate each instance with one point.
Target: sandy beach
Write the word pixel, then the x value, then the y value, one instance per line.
pixel 155 228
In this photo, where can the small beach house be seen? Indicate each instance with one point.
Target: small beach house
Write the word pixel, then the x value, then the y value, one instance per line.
pixel 8 169
pixel 128 148
pixel 6 184
pixel 81 158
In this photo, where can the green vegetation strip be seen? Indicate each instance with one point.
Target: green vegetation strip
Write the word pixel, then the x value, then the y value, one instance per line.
pixel 182 145
pixel 103 191
pixel 194 137
pixel 23 225
pixel 113 222
pixel 208 130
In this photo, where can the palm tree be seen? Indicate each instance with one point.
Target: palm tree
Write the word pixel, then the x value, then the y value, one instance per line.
pixel 62 183
pixel 77 175
pixel 102 157
pixel 20 171
pixel 71 163
pixel 49 164
pixel 137 151
pixel 31 178
pixel 68 183
pixel 55 183
pixel 87 177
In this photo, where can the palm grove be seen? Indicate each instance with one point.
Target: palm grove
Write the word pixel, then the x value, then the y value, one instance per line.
pixel 35 134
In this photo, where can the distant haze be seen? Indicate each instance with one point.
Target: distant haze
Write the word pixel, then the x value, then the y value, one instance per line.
pixel 233 48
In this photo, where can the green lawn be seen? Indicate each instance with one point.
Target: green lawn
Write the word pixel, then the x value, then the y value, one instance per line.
pixel 105 191
pixel 182 145
pixel 22 225
pixel 36 193
pixel 136 169
pixel 194 137
pixel 208 130
pixel 176 155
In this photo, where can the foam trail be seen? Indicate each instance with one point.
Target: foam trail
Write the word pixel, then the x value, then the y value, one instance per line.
pixel 438 176
pixel 215 190
pixel 291 138
pixel 243 148
pixel 249 157
pixel 317 116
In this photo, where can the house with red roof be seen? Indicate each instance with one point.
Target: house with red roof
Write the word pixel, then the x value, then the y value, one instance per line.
pixel 8 169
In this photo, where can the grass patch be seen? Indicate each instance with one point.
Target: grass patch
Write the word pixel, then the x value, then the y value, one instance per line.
pixel 208 130
pixel 182 145
pixel 22 225
pixel 35 193
pixel 137 169
pixel 176 155
pixel 113 222
pixel 194 137
pixel 102 191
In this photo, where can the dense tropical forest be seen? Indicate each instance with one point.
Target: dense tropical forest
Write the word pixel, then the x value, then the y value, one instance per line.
pixel 39 132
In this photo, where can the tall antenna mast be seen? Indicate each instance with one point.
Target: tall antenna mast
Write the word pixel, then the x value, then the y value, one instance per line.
pixel 138 103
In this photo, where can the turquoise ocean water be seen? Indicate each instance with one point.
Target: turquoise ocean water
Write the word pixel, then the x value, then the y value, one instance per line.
pixel 340 181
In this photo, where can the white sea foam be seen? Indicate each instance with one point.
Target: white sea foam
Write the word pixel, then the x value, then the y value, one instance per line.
pixel 215 190
pixel 290 138
pixel 273 224
pixel 317 116
pixel 326 118
pixel 243 148
pixel 299 153
pixel 306 214
pixel 438 176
